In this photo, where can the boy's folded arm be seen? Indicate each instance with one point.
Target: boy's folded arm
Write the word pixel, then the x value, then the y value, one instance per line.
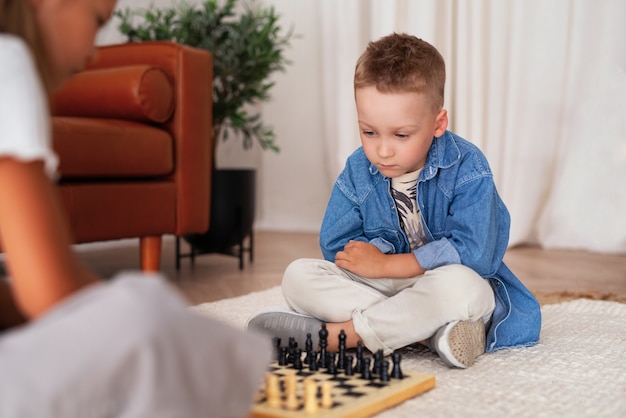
pixel 402 266
pixel 344 224
pixel 383 245
pixel 366 260
pixel 436 254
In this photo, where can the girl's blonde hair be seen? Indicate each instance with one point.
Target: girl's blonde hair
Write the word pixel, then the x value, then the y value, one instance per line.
pixel 17 17
pixel 401 62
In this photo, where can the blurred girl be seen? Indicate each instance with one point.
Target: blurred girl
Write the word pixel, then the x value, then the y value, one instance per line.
pixel 72 345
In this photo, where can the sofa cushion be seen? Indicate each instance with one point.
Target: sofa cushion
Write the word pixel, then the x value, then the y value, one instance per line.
pixel 92 148
pixel 139 92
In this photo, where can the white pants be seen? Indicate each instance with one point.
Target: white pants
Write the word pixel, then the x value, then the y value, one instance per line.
pixel 130 347
pixel 387 313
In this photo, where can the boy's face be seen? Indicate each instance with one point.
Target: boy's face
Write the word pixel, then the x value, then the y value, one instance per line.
pixel 397 129
pixel 69 28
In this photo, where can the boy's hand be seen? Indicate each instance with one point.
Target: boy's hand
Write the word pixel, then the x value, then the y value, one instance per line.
pixel 367 260
pixel 361 258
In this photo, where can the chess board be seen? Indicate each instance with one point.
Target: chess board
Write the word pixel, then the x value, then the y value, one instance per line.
pixel 352 396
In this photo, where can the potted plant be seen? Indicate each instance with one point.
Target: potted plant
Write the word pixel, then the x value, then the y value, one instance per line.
pixel 247 45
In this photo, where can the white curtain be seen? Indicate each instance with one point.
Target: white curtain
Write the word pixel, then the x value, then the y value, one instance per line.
pixel 539 86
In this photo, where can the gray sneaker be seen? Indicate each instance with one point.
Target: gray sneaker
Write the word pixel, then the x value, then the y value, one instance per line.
pixel 459 342
pixel 284 323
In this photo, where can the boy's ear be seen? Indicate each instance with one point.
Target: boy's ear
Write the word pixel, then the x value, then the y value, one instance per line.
pixel 441 123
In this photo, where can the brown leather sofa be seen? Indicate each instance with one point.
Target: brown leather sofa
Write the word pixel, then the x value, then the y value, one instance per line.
pixel 133 134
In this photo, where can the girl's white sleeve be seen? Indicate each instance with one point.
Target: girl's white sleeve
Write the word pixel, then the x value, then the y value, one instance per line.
pixel 24 116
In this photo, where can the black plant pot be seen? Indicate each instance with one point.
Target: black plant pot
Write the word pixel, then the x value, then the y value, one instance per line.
pixel 233 194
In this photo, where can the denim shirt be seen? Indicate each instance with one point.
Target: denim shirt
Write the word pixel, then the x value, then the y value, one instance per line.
pixel 464 220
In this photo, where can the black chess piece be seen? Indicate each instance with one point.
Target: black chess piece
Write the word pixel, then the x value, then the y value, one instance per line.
pixel 378 358
pixel 366 373
pixel 322 361
pixel 293 346
pixel 297 359
pixel 384 371
pixel 308 346
pixel 312 361
pixel 276 344
pixel 348 370
pixel 396 372
pixel 282 358
pixel 341 356
pixel 358 367
pixel 332 366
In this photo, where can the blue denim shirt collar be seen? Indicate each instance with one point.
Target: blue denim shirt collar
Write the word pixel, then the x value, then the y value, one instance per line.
pixel 444 153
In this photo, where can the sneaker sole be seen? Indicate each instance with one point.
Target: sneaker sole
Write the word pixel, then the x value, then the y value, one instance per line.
pixel 273 309
pixel 293 325
pixel 466 341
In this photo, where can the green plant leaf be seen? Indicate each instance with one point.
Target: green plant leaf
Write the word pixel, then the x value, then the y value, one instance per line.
pixel 247 47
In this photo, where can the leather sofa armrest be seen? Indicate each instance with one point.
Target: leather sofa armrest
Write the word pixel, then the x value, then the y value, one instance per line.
pixel 191 71
pixel 139 93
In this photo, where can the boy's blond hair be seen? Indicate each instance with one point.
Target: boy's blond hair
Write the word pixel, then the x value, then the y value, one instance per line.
pixel 17 17
pixel 401 62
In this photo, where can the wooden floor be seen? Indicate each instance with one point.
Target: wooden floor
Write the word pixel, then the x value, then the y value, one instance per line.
pixel 550 274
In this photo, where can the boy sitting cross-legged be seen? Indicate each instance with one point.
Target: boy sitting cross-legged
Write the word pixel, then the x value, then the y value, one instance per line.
pixel 414 233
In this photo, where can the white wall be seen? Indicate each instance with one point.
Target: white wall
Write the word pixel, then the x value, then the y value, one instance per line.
pixel 292 187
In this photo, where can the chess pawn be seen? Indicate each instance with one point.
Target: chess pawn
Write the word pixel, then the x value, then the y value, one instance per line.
pixel 291 397
pixel 311 405
pixel 272 390
pixel 366 373
pixel 327 395
pixel 332 366
pixel 276 344
pixel 378 359
pixel 290 381
pixel 313 361
pixel 297 359
pixel 348 370
pixel 291 402
pixel 293 347
pixel 396 371
pixel 384 371
pixel 282 357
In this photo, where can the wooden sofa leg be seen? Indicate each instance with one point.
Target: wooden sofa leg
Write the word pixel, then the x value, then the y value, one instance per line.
pixel 150 248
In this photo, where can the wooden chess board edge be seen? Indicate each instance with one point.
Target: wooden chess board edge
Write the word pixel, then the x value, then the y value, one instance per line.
pixel 400 395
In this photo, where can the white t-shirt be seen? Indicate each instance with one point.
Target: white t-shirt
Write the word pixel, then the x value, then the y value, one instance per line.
pixel 24 115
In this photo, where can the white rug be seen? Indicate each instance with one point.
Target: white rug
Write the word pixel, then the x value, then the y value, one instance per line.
pixel 577 370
